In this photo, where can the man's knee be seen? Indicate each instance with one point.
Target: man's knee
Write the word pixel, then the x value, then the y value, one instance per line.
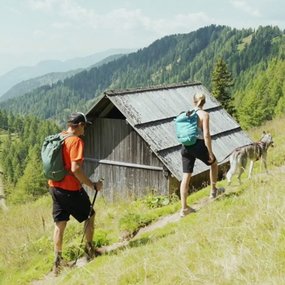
pixel 60 226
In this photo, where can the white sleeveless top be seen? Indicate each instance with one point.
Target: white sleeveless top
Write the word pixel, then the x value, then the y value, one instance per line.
pixel 200 131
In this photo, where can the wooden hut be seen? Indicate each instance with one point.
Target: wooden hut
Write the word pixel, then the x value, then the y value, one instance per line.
pixel 132 142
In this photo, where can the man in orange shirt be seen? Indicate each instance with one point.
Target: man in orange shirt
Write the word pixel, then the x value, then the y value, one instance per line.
pixel 69 198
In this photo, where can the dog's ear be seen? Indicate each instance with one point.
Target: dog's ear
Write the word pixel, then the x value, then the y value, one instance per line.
pixel 264 132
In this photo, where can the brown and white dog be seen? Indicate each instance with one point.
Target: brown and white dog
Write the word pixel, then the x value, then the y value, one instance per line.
pixel 253 152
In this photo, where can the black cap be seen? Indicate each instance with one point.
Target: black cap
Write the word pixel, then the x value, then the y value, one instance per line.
pixel 78 117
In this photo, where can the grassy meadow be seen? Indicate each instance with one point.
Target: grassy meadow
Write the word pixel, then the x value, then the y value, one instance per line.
pixel 238 239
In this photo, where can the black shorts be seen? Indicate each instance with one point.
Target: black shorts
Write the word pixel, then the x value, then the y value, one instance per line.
pixel 190 153
pixel 74 203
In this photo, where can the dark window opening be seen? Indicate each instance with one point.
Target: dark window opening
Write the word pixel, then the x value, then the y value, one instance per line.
pixel 114 113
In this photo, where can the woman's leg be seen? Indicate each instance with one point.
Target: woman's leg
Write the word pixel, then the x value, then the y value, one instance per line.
pixel 214 176
pixel 184 188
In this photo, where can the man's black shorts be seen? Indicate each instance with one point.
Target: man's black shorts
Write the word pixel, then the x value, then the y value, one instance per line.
pixel 190 153
pixel 66 203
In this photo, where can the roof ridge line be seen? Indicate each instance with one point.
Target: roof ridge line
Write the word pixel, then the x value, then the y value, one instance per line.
pixel 151 88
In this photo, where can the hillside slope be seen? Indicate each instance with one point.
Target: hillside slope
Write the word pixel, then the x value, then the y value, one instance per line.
pixel 238 239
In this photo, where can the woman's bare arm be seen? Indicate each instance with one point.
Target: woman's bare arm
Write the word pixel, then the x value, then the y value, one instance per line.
pixel 207 136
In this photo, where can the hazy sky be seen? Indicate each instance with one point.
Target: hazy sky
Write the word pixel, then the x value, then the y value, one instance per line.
pixel 36 30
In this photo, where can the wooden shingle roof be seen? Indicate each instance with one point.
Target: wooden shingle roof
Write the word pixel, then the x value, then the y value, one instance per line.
pixel 151 113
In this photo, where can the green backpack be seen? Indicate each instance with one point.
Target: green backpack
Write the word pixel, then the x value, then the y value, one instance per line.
pixel 52 156
pixel 186 126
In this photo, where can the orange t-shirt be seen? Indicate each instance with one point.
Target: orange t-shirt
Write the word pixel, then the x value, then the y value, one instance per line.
pixel 72 151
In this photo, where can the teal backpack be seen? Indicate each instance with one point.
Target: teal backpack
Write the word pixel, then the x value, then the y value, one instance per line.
pixel 52 156
pixel 186 126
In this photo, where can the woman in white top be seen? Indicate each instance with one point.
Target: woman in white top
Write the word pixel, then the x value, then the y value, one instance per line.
pixel 202 150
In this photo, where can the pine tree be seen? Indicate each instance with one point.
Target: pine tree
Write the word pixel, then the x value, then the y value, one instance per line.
pixel 221 82
pixel 32 184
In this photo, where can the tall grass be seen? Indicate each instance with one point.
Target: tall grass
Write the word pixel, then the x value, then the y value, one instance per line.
pixel 26 246
pixel 239 239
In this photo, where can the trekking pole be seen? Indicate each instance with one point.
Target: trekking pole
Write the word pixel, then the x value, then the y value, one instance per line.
pixel 86 223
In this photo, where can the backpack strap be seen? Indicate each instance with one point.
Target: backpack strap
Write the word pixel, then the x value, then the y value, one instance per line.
pixel 65 136
pixel 190 112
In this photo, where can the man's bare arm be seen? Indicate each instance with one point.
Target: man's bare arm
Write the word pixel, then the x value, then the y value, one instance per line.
pixel 78 172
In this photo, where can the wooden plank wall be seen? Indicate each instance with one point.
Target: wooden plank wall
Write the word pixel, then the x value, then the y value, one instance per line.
pixel 113 140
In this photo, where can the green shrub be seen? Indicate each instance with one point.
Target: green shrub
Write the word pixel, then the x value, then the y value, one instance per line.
pixel 157 201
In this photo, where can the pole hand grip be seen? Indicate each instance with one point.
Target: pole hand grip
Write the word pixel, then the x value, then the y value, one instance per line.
pixel 94 184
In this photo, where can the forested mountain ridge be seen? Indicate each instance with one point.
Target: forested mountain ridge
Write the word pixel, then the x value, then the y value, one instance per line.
pixel 31 84
pixel 22 73
pixel 172 59
pixel 49 79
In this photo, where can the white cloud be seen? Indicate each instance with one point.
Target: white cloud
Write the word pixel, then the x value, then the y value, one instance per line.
pixel 71 15
pixel 43 5
pixel 74 27
pixel 61 28
pixel 75 12
pixel 61 25
pixel 15 11
pixel 181 23
pixel 246 7
pixel 38 33
pixel 133 21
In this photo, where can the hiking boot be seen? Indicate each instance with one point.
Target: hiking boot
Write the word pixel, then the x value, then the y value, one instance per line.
pixel 217 192
pixel 186 211
pixel 57 266
pixel 90 251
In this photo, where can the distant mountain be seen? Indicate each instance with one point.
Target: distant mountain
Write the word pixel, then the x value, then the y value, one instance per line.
pixel 48 79
pixel 23 73
pixel 248 54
